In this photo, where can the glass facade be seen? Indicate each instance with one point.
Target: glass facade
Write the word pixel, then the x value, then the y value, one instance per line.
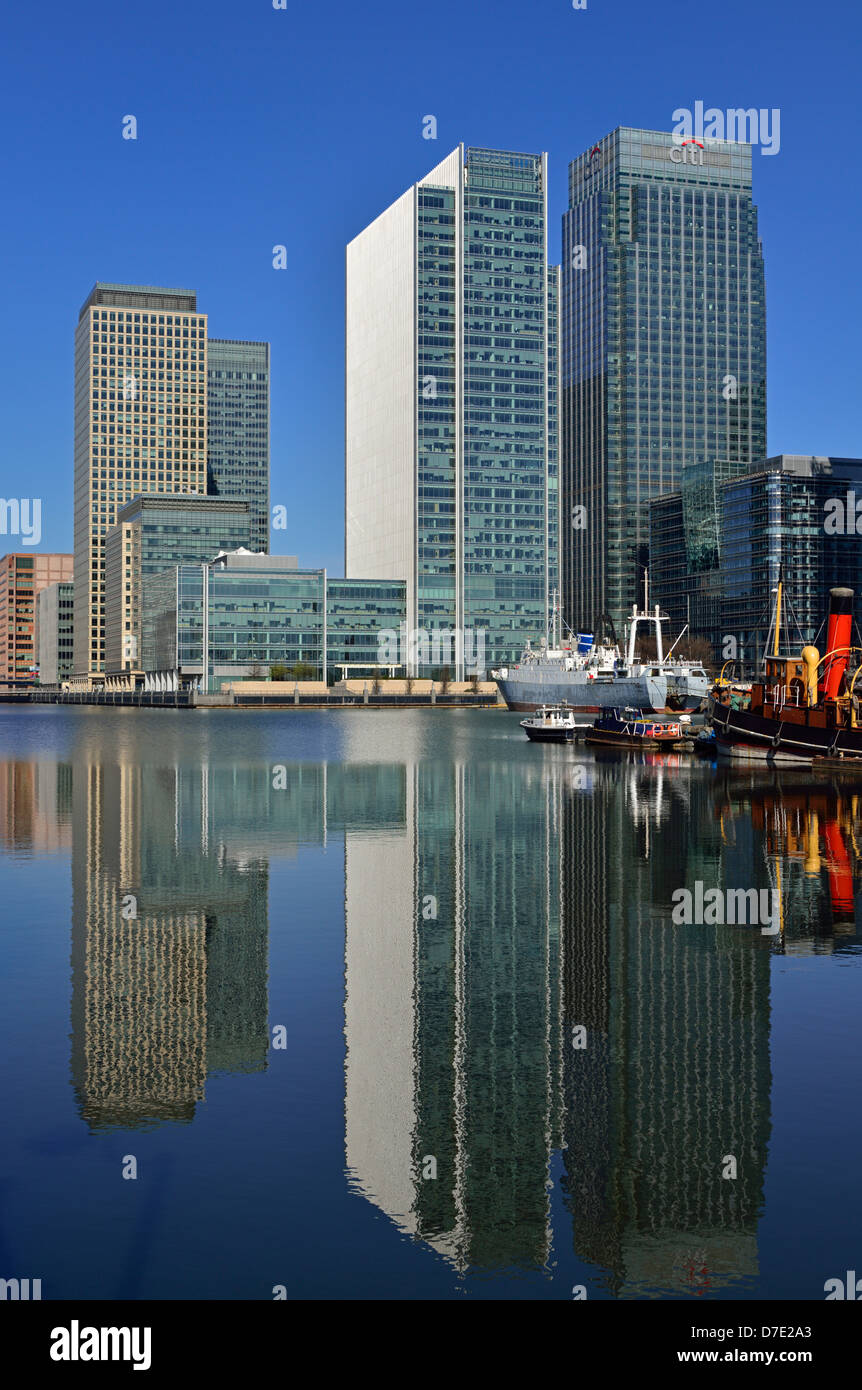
pixel 238 428
pixel 664 346
pixel 153 532
pixel 451 401
pixel 357 611
pixel 718 544
pixel 509 402
pixel 246 620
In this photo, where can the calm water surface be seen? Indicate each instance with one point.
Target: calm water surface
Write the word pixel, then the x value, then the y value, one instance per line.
pixel 392 1005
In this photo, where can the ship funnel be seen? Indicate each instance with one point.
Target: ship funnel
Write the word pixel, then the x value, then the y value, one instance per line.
pixel 838 634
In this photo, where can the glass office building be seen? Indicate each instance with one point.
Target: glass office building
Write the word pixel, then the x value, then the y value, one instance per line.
pixel 451 400
pixel 717 546
pixel 238 428
pixel 238 617
pixel 152 532
pixel 663 346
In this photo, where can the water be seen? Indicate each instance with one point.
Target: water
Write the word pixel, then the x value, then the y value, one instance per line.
pixel 435 913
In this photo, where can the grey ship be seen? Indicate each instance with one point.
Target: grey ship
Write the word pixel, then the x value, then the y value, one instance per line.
pixel 590 678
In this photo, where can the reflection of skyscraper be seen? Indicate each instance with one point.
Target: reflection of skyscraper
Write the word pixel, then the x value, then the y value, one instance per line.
pixel 170 913
pixel 675 1072
pixel 452 1013
pixel 517 907
pixel 169 949
pixel 35 806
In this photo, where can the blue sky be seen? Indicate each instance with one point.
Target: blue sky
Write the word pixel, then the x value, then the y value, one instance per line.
pixel 259 126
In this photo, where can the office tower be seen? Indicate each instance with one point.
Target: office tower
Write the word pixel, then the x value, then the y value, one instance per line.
pixel 663 346
pixel 451 411
pixel 140 426
pixel 238 428
pixel 153 532
pixel 54 636
pixel 22 578
pixel 718 545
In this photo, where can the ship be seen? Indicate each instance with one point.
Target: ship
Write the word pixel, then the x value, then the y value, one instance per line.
pixel 801 707
pixel 592 677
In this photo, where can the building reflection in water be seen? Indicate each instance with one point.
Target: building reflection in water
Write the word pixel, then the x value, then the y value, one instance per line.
pixel 170 916
pixel 553 884
pixel 492 907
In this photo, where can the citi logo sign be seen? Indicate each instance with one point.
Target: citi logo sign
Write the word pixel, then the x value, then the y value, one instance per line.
pixel 594 162
pixel 18 1290
pixel 689 152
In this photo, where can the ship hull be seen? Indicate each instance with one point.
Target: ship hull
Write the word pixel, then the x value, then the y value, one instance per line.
pixel 744 736
pixel 526 693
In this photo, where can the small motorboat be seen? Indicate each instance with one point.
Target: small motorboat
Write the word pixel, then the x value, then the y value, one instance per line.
pixel 551 724
pixel 628 729
pixel 705 744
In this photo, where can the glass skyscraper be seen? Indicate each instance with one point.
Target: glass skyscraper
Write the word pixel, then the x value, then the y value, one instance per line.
pixel 663 346
pixel 451 400
pixel 238 428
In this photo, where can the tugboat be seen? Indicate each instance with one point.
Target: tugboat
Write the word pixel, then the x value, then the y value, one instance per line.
pixel 551 724
pixel 628 729
pixel 796 711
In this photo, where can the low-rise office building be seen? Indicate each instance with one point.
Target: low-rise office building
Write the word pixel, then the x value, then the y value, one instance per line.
pixel 242 614
pixel 153 531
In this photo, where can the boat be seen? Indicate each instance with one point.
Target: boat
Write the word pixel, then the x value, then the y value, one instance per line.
pixel 594 676
pixel 628 729
pixel 551 724
pixel 587 676
pixel 705 743
pixel 801 707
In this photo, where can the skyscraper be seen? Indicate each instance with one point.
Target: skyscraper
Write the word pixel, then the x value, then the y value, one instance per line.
pixel 238 428
pixel 663 344
pixel 140 426
pixel 451 410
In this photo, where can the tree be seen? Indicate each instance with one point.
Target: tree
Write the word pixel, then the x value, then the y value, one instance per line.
pixel 303 672
pixel 255 671
pixel 278 672
pixel 445 679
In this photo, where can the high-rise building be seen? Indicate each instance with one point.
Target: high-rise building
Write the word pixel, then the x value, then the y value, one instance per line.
pixel 54 632
pixel 719 545
pixel 238 428
pixel 140 426
pixel 22 578
pixel 663 346
pixel 451 409
pixel 153 532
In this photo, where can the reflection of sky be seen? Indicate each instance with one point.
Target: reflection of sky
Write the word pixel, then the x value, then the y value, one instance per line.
pixel 542 876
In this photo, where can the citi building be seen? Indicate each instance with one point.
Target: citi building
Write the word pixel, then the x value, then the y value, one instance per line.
pixel 663 330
